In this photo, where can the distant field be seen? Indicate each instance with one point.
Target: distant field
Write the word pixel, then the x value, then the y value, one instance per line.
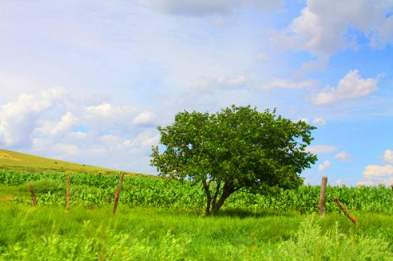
pixel 10 160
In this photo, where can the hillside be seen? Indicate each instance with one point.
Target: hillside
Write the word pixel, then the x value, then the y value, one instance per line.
pixel 10 160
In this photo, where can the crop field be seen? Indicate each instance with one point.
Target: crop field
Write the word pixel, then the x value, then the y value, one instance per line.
pixel 97 190
pixel 160 219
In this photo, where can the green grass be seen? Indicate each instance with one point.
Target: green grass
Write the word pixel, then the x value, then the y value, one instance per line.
pixel 157 220
pixel 10 160
pixel 51 233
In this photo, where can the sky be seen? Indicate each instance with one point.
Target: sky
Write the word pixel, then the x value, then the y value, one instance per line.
pixel 89 81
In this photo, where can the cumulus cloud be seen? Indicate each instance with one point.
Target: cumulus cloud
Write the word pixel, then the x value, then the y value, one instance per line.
pixel 322 167
pixel 106 117
pixel 206 7
pixel 145 118
pixel 343 156
pixel 19 119
pixel 388 156
pixel 352 86
pixel 323 27
pixel 321 149
pixel 63 126
pixel 378 171
pixel 377 174
pixel 54 124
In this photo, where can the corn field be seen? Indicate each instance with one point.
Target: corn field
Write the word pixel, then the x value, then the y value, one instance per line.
pixel 89 190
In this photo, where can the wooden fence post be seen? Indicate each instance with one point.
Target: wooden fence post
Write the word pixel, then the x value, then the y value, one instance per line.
pixel 352 218
pixel 33 195
pixel 68 193
pixel 117 194
pixel 322 199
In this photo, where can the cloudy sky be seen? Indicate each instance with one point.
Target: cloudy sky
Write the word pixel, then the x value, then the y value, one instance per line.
pixel 89 81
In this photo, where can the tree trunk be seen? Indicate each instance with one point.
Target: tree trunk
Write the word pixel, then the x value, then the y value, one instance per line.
pixel 218 187
pixel 226 192
pixel 206 185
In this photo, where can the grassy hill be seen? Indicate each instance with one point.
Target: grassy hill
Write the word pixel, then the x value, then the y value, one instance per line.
pixel 10 160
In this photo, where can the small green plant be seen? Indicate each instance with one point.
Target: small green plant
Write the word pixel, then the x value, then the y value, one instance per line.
pixel 310 244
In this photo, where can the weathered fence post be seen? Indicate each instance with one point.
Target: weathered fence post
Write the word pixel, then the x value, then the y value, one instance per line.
pixel 352 218
pixel 33 195
pixel 117 194
pixel 68 193
pixel 322 199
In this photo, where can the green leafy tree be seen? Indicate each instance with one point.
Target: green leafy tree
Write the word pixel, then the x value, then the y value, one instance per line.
pixel 238 147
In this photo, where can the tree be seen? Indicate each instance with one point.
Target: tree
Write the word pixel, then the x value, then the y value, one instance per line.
pixel 238 147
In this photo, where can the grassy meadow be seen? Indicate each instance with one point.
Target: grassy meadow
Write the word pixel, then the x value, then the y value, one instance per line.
pixel 158 219
pixel 10 160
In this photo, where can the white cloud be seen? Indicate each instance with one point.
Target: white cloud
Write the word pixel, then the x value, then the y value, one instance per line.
pixel 66 150
pixel 319 121
pixel 378 171
pixel 288 84
pixel 19 119
pixel 322 27
pixel 321 149
pixel 102 110
pixel 377 174
pixel 314 65
pixel 322 167
pixel 54 124
pixel 145 118
pixel 388 156
pixel 232 81
pixel 207 7
pixel 352 86
pixel 65 124
pixel 53 128
pixel 106 117
pixel 146 139
pixel 343 156
pixel 221 82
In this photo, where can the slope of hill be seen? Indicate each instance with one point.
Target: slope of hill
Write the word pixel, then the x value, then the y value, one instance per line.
pixel 10 160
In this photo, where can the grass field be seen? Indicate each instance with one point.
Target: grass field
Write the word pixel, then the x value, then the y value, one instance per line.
pixel 50 233
pixel 10 160
pixel 161 220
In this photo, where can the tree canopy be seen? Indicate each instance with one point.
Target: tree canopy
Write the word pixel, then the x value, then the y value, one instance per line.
pixel 235 148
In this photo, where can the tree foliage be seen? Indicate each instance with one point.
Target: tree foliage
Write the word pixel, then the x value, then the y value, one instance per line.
pixel 238 147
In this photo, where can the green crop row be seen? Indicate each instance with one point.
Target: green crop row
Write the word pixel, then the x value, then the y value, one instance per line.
pixel 96 190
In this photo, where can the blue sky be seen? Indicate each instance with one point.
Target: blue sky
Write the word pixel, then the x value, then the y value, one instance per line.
pixel 90 81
